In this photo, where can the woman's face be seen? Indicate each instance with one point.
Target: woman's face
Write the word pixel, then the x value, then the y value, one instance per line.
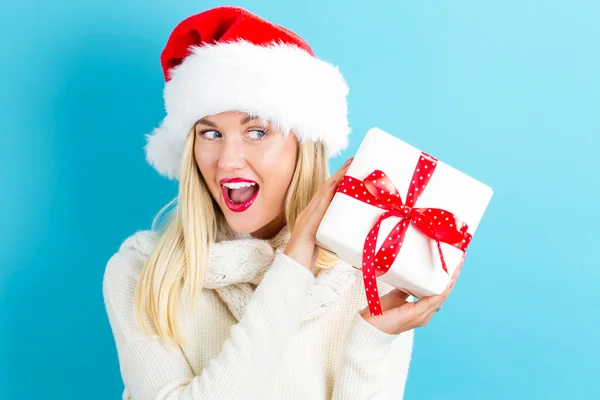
pixel 248 167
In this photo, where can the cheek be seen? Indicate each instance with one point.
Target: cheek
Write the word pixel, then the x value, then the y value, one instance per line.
pixel 277 165
pixel 205 164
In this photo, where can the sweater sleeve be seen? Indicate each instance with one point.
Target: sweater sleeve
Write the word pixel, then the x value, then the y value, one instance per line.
pixel 153 371
pixel 375 364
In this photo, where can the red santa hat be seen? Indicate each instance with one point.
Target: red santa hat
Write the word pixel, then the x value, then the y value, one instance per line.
pixel 228 59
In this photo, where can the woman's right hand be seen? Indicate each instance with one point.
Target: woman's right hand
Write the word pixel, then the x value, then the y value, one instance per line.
pixel 302 244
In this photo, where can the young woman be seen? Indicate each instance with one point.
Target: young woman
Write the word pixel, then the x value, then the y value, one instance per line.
pixel 231 298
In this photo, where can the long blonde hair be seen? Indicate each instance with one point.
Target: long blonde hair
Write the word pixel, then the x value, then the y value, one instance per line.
pixel 173 275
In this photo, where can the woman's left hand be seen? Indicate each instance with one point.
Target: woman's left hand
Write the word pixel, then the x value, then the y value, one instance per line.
pixel 400 315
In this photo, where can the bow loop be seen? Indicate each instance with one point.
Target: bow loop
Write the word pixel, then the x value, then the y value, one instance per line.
pixel 383 190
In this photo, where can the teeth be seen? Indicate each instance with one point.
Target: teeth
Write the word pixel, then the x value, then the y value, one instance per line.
pixel 238 185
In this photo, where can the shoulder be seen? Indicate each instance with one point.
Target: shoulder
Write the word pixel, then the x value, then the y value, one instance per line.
pixel 140 243
pixel 125 266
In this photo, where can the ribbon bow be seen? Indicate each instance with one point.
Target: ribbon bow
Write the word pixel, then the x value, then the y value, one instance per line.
pixel 379 191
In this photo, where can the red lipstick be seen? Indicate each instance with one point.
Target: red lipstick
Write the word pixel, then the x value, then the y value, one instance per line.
pixel 230 204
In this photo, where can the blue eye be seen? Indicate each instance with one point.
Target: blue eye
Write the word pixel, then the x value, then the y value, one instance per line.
pixel 208 134
pixel 260 135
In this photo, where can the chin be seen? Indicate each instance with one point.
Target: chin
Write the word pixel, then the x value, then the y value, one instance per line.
pixel 240 223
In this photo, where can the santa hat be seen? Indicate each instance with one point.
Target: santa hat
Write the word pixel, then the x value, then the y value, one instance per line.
pixel 228 59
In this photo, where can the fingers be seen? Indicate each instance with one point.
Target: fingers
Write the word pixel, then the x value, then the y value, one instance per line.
pixel 428 305
pixel 340 172
pixel 313 214
pixel 434 302
pixel 308 221
pixel 329 189
pixel 394 298
pixel 335 179
pixel 459 268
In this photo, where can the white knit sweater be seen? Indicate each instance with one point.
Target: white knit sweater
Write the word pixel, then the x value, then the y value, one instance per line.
pixel 281 333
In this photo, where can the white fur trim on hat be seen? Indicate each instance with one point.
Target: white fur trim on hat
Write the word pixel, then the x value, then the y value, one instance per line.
pixel 279 83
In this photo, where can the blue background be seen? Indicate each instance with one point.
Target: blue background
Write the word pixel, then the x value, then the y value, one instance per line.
pixel 506 91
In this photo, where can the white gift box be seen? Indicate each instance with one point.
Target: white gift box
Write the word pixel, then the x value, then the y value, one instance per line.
pixel 417 268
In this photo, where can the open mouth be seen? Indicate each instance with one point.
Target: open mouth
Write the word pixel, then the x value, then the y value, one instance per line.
pixel 239 195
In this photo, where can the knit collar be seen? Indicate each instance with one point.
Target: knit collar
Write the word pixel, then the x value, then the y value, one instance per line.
pixel 239 261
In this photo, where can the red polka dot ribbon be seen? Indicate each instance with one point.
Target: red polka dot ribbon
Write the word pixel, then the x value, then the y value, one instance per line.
pixel 379 191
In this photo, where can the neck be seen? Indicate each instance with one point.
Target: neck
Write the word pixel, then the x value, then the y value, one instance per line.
pixel 271 229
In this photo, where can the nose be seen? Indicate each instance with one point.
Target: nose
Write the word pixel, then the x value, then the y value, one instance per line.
pixel 232 155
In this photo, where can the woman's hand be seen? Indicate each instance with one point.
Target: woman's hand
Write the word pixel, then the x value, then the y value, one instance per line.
pixel 400 315
pixel 302 244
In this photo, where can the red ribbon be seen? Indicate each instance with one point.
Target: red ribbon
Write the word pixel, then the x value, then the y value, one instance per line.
pixel 379 191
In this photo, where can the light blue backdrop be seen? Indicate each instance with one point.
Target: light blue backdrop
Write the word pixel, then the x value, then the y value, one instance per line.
pixel 507 91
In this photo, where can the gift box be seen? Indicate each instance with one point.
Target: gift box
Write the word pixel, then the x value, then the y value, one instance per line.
pixel 402 217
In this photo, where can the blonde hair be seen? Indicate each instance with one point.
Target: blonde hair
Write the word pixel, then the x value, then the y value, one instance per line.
pixel 173 275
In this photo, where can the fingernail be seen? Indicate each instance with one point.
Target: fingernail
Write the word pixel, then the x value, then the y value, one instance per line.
pixel 348 161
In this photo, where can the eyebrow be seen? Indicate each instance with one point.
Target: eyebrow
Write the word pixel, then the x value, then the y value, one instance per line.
pixel 205 121
pixel 244 120
pixel 247 119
